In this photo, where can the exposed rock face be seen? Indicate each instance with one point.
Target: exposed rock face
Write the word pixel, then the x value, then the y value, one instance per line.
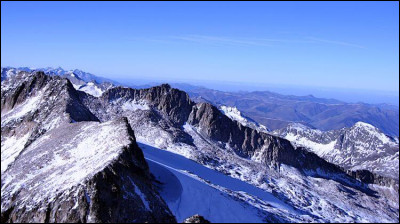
pixel 196 219
pixel 174 103
pixel 369 177
pixel 248 142
pixel 55 94
pixel 82 172
pixel 169 109
pixel 245 141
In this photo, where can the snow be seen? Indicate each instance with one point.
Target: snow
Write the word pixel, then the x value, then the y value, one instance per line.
pixel 10 148
pixel 302 128
pixel 373 131
pixel 361 146
pixel 141 195
pixel 68 163
pixel 190 188
pixel 29 105
pixel 92 89
pixel 317 148
pixel 234 114
pixel 76 86
pixel 314 199
pixel 135 105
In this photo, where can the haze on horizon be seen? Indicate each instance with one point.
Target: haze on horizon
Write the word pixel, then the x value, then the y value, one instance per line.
pixel 347 47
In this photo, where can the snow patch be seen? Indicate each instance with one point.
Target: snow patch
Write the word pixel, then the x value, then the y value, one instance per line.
pixel 135 105
pixel 92 89
pixel 234 114
pixel 317 148
pixel 10 148
pixel 28 106
pixel 141 195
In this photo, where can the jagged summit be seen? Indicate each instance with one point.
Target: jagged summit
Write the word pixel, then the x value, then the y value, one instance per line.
pixel 166 86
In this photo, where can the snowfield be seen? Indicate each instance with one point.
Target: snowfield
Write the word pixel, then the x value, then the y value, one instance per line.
pixel 190 188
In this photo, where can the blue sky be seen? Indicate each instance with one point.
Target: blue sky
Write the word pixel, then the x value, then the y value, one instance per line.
pixel 349 45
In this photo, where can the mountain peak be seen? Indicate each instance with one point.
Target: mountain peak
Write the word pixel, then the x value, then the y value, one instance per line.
pixel 361 124
pixel 166 86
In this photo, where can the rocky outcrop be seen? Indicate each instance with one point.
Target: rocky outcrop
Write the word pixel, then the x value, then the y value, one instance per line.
pixel 59 179
pixel 369 177
pixel 174 103
pixel 196 219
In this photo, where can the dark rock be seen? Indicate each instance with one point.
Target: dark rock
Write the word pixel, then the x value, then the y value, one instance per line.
pixel 196 219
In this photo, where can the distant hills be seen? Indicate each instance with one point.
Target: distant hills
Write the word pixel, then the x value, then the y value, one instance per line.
pixel 276 111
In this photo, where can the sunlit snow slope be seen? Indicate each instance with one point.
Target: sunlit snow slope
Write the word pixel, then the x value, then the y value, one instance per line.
pixel 190 188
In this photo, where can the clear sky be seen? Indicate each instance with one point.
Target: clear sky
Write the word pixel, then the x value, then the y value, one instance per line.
pixel 321 44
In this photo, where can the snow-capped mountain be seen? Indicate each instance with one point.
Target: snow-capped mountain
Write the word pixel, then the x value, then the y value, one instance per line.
pixel 98 173
pixel 361 147
pixel 58 167
pixel 262 175
pixel 234 114
pixel 82 81
pixel 32 104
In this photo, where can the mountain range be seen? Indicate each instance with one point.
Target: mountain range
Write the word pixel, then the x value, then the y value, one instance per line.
pixel 126 141
pixel 276 111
